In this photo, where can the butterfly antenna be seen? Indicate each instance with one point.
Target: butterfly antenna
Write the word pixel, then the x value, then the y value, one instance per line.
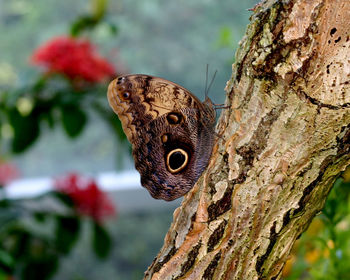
pixel 206 82
pixel 211 82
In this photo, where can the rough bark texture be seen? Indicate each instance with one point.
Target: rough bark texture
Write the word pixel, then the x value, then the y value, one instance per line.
pixel 284 140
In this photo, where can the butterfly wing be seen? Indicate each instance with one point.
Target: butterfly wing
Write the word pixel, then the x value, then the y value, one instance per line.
pixel 171 131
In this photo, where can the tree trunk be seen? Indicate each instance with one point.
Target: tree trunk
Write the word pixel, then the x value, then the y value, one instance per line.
pixel 283 141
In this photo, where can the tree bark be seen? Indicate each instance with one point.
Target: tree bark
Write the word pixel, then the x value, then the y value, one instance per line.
pixel 283 141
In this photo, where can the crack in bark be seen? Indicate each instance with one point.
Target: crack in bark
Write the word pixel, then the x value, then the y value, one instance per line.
pixel 221 206
pixel 260 261
pixel 159 264
pixel 343 148
pixel 344 142
pixel 258 141
pixel 278 47
pixel 222 173
pixel 216 236
pixel 304 199
pixel 210 270
pixel 319 104
pixel 193 218
pixel 191 259
pixel 262 17
pixel 212 189
pixel 248 153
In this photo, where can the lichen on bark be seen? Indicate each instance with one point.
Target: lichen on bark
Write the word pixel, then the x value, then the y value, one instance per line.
pixel 283 141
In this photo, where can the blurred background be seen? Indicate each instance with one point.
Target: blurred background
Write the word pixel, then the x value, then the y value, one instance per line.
pixel 71 205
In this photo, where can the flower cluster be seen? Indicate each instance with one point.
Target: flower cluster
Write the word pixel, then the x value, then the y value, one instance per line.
pixel 8 172
pixel 75 58
pixel 87 197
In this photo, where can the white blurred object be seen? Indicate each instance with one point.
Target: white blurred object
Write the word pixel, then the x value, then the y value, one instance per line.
pixel 108 181
pixel 123 187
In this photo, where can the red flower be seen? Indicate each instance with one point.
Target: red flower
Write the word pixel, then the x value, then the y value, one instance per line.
pixel 75 58
pixel 88 198
pixel 8 172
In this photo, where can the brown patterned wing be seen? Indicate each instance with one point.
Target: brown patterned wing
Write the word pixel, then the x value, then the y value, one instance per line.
pixel 139 99
pixel 171 131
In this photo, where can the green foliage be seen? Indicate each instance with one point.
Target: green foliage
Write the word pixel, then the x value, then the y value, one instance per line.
pixel 83 23
pixel 90 21
pixel 323 252
pixel 73 119
pixel 42 268
pixel 7 262
pixel 101 241
pixel 86 23
pixel 51 101
pixel 136 238
pixel 67 232
pixel 26 129
pixel 225 38
pixel 32 241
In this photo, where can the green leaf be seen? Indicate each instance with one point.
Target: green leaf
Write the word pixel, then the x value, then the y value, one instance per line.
pixel 6 261
pixel 8 218
pixel 99 8
pixel 40 216
pixel 40 84
pixel 42 268
pixel 101 241
pixel 20 242
pixel 64 198
pixel 113 28
pixel 26 129
pixel 73 120
pixel 67 232
pixel 83 23
pixel 48 117
pixel 225 39
pixel 3 276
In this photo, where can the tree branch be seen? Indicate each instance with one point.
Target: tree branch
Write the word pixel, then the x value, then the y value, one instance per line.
pixel 284 140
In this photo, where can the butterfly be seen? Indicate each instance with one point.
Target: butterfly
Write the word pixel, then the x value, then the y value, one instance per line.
pixel 170 129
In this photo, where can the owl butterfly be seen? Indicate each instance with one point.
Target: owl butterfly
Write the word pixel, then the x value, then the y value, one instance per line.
pixel 171 132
